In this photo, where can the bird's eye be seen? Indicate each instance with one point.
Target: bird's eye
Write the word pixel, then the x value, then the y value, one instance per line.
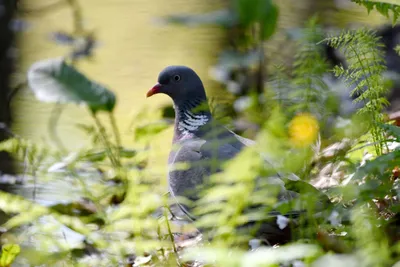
pixel 177 78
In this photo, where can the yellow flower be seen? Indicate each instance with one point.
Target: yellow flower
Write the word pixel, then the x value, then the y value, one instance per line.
pixel 303 129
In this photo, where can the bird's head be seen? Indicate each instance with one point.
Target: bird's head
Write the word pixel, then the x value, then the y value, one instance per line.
pixel 180 83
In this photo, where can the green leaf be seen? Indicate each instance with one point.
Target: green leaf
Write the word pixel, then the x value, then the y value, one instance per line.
pixel 383 7
pixel 305 188
pixel 53 80
pixel 127 153
pixel 393 130
pixel 94 156
pixel 334 260
pixel 214 255
pixel 8 254
pixel 364 73
pixel 269 19
pixel 29 211
pixel 264 12
pixel 394 2
pixel 146 132
pixel 379 165
pixel 247 11
pixel 284 254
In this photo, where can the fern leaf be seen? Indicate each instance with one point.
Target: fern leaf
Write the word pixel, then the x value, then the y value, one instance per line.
pixel 29 211
pixel 365 60
pixel 309 67
pixel 383 7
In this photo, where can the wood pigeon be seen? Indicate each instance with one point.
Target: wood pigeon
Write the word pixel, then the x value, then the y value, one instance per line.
pixel 202 143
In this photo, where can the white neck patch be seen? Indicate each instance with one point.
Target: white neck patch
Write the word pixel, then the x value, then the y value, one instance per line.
pixel 192 122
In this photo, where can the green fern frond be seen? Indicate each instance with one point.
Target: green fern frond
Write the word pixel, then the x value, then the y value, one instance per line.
pixel 30 154
pixel 28 211
pixel 374 248
pixel 365 60
pixel 383 8
pixel 309 68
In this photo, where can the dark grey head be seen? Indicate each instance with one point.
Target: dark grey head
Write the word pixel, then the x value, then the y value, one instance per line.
pixel 180 83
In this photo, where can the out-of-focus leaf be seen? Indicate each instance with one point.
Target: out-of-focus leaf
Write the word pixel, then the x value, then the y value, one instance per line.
pixel 393 130
pixel 337 260
pixel 100 155
pixel 306 188
pixel 269 19
pixel 168 112
pixel 29 211
pixel 8 254
pixel 88 129
pixel 332 242
pixel 263 11
pixel 284 254
pixel 67 161
pixel 220 17
pixel 146 132
pixel 57 167
pixel 94 156
pixel 379 165
pixel 127 153
pixel 214 255
pixel 81 208
pixel 85 211
pixel 53 80
pixel 247 10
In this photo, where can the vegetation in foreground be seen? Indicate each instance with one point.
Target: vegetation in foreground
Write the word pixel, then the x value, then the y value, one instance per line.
pixel 121 216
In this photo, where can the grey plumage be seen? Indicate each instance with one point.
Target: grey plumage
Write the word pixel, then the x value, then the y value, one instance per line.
pixel 200 141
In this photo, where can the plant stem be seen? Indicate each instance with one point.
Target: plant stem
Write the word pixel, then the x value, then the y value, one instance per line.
pixel 106 142
pixel 376 132
pixel 115 129
pixel 116 134
pixel 171 235
pixel 77 14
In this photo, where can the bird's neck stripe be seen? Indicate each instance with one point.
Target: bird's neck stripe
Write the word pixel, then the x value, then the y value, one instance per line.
pixel 191 122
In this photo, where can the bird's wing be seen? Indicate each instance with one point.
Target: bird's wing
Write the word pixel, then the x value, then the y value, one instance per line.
pixel 205 157
pixel 192 163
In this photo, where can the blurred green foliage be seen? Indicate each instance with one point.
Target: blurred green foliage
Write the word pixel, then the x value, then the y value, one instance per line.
pixel 122 215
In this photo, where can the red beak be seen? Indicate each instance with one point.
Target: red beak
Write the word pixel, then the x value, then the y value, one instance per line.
pixel 154 90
